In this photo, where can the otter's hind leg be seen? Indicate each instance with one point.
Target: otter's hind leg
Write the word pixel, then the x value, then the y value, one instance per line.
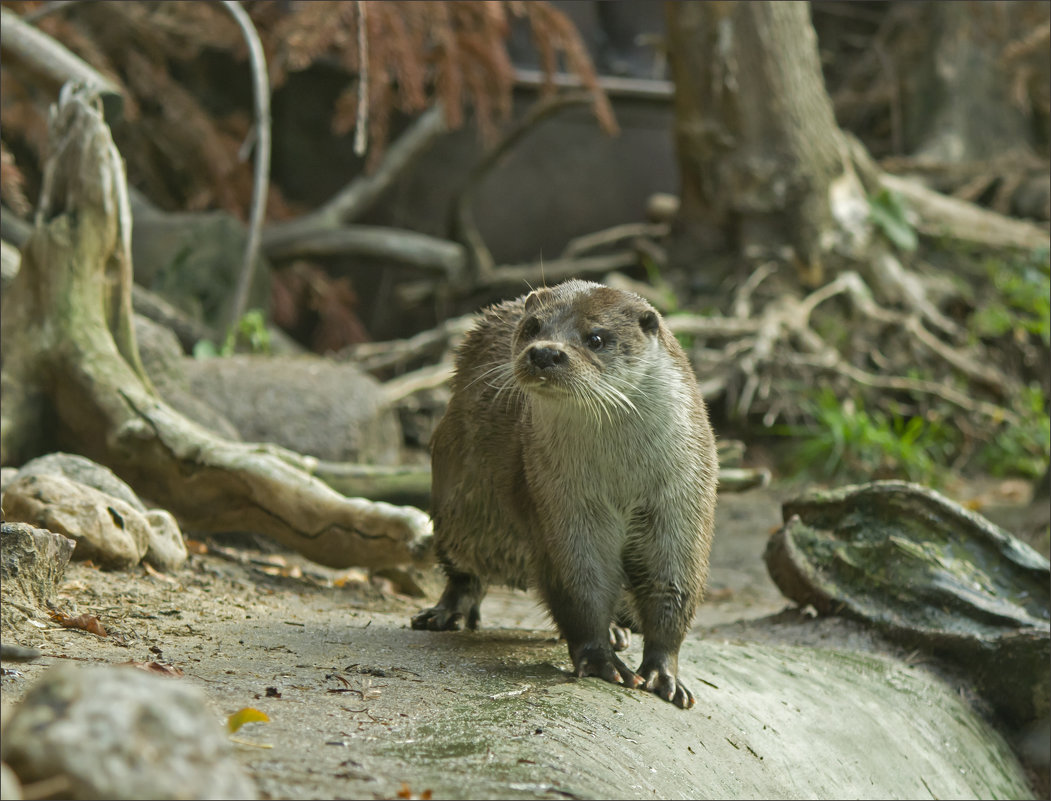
pixel 458 606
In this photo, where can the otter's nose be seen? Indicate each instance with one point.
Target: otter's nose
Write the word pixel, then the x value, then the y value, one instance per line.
pixel 546 358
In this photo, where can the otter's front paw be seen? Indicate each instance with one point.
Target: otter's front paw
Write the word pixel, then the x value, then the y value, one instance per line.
pixel 662 682
pixel 441 618
pixel 600 661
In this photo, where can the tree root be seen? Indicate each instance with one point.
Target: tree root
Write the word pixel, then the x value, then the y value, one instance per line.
pixel 68 339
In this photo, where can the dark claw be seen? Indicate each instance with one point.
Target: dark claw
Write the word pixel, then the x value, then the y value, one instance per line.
pixel 665 685
pixel 438 618
pixel 601 662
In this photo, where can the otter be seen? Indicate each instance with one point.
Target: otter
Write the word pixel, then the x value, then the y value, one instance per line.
pixel 576 458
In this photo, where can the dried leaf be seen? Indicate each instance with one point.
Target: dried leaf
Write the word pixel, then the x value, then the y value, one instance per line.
pixel 243 716
pixel 85 622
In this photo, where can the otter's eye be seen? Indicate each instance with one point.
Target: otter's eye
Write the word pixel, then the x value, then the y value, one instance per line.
pixel 530 327
pixel 595 340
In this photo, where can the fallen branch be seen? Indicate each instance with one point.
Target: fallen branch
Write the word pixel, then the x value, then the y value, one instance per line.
pixel 611 236
pixel 444 258
pixel 462 223
pixel 51 64
pixel 358 196
pixel 69 348
pixel 375 357
pixel 941 215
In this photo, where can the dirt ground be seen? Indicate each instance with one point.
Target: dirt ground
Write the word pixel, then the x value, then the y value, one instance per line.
pixel 328 655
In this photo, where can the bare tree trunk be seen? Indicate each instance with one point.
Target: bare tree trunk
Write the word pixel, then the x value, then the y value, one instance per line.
pixel 967 99
pixel 758 144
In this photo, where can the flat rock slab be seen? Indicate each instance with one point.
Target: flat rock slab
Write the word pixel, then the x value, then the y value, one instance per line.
pixel 503 720
pixel 360 705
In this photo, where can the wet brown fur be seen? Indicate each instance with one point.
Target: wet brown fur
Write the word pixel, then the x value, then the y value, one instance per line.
pixel 583 468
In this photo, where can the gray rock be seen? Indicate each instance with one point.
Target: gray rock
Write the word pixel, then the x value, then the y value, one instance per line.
pixel 167 549
pixel 32 562
pixel 106 529
pixel 7 475
pixel 165 364
pixel 310 405
pixel 84 471
pixel 121 733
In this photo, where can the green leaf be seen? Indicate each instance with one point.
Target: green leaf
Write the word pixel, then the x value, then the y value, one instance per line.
pixel 888 213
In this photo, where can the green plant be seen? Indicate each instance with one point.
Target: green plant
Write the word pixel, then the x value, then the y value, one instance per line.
pixel 1023 449
pixel 888 213
pixel 846 440
pixel 249 333
pixel 1022 301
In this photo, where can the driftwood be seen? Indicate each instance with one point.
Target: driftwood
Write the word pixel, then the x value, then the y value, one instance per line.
pixel 51 64
pixel 69 349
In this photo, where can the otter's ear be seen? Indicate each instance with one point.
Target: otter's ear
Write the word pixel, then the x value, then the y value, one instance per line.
pixel 649 322
pixel 535 299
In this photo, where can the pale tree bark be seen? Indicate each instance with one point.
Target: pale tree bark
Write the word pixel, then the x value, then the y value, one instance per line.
pixel 766 171
pixel 71 365
pixel 758 143
pixel 968 98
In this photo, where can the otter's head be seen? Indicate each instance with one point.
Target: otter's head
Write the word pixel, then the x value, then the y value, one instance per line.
pixel 585 343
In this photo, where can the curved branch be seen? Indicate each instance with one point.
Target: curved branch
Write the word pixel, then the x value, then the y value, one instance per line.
pixel 51 63
pixel 461 222
pixel 261 177
pixel 940 214
pixel 361 193
pixel 439 256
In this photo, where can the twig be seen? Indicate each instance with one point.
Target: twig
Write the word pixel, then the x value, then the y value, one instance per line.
pixel 462 222
pixel 375 356
pixel 831 360
pixel 361 193
pixel 582 244
pixel 261 177
pixel 520 276
pixel 743 298
pixel 425 378
pixel 47 8
pixel 361 135
pixel 51 63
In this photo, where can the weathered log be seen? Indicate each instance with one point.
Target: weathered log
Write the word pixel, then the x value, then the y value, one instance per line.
pixel 68 341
